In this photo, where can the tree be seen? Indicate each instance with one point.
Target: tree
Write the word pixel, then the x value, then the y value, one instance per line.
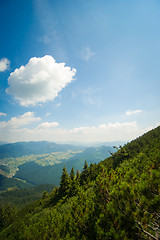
pixel 65 183
pixel 85 168
pixel 77 176
pixel 74 183
pixel 72 174
pixel 85 173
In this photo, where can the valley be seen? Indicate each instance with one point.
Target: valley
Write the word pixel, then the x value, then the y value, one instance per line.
pixel 116 198
pixel 9 166
pixel 33 163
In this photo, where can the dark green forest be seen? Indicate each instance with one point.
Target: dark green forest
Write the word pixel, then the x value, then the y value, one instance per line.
pixel 20 198
pixel 118 198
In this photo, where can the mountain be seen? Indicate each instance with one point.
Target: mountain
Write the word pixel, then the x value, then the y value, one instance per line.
pixel 20 149
pixel 8 183
pixel 2 143
pixel 36 174
pixel 118 198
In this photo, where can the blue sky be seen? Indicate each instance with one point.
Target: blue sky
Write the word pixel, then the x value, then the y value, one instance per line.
pixel 79 71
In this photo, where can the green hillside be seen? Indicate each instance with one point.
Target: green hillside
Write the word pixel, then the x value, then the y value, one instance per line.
pixel 46 167
pixel 22 197
pixel 119 198
pixel 9 183
pixel 36 174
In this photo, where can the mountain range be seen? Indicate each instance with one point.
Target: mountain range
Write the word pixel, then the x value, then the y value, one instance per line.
pixel 117 198
pixel 29 171
pixel 19 149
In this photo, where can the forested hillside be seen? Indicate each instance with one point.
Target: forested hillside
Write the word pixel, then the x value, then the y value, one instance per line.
pixel 37 174
pixel 119 198
pixel 8 183
pixel 22 197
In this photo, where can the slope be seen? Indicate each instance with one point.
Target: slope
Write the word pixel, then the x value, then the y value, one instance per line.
pixel 36 174
pixel 7 183
pixel 22 197
pixel 119 198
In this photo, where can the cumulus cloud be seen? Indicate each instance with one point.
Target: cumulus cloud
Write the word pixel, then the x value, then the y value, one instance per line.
pixel 18 129
pixel 17 122
pixel 4 64
pixel 107 132
pixel 45 125
pixel 128 113
pixel 3 114
pixel 40 80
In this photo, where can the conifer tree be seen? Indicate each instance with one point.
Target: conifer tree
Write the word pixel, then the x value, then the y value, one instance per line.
pixel 91 172
pixel 85 168
pixel 77 175
pixel 84 173
pixel 65 183
pixel 74 183
pixel 72 174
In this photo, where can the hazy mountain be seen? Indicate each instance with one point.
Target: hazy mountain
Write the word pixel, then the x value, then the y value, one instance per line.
pixel 27 148
pixel 36 174
pixel 2 143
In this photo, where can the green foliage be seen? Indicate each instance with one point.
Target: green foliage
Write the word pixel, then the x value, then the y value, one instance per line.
pixel 7 216
pixel 33 168
pixel 65 183
pixel 117 199
pixel 22 197
pixel 72 174
pixel 8 183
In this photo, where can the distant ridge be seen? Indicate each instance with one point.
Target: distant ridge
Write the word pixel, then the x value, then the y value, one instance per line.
pixel 2 143
pixel 20 149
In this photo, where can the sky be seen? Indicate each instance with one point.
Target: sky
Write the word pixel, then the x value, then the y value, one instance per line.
pixel 79 71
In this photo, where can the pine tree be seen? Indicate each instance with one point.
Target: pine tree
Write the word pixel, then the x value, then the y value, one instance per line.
pixel 85 173
pixel 72 174
pixel 85 168
pixel 77 176
pixel 65 183
pixel 74 183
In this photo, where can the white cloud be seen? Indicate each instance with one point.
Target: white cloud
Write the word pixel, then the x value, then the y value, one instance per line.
pixel 40 80
pixel 87 53
pixel 45 125
pixel 107 132
pixel 3 114
pixel 2 125
pixel 128 113
pixel 17 122
pixel 18 129
pixel 4 64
